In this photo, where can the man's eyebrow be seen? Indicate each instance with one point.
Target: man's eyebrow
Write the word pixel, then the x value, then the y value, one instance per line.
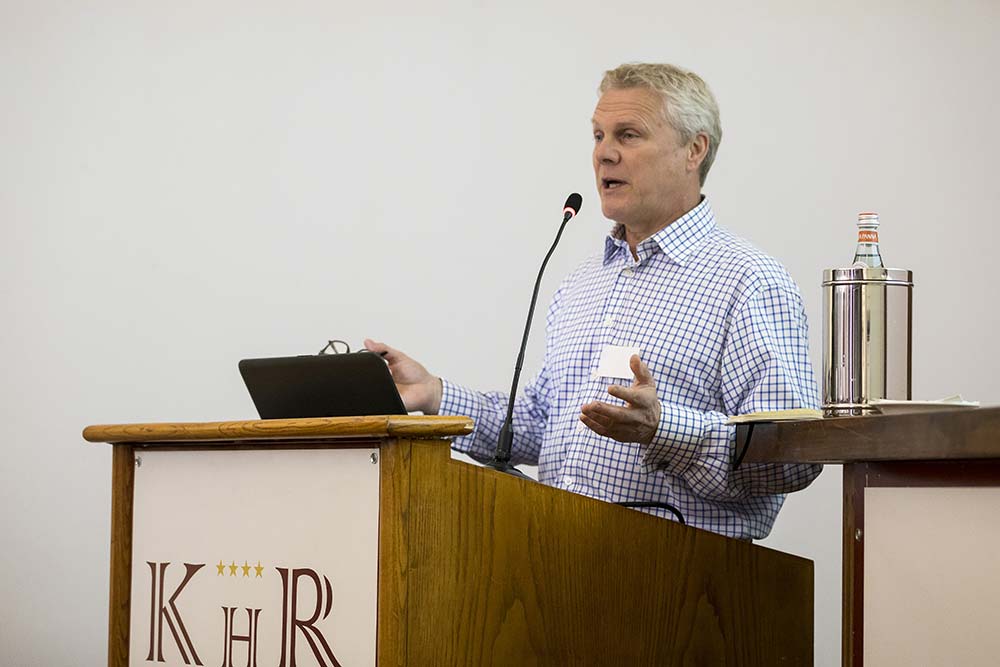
pixel 628 122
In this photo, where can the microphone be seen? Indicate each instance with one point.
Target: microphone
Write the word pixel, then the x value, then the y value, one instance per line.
pixel 501 457
pixel 570 208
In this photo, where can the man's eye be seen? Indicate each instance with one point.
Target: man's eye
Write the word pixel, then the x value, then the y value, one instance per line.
pixel 598 136
pixel 629 135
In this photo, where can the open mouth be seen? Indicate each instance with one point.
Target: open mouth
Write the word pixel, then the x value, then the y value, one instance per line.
pixel 611 183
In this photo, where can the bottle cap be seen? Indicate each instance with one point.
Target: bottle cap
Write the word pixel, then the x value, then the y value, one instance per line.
pixel 868 218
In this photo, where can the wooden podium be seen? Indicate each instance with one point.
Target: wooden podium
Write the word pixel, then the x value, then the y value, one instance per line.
pixel 480 568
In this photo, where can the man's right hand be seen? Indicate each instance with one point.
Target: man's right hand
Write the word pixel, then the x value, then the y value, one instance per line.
pixel 417 387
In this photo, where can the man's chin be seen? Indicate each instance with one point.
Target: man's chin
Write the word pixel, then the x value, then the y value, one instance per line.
pixel 611 211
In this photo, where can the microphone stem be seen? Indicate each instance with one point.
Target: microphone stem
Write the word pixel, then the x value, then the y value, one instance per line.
pixel 506 439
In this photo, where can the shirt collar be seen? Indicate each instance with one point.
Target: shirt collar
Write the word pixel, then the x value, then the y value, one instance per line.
pixel 677 240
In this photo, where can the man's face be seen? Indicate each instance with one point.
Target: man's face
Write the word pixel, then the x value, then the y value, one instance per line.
pixel 644 173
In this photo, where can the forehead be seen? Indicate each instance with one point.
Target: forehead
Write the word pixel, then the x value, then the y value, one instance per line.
pixel 629 105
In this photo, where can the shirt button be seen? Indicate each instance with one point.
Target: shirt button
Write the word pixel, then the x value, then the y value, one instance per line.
pixel 609 321
pixel 628 273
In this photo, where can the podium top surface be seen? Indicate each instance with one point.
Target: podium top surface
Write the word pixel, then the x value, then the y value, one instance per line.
pixel 264 430
pixel 961 434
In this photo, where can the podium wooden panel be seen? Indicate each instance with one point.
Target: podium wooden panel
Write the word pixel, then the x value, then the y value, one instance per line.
pixel 481 568
pixel 953 448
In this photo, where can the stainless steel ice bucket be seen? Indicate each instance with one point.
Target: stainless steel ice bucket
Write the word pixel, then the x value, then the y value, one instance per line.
pixel 867 334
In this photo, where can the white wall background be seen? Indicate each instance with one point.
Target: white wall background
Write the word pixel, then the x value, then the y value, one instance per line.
pixel 186 184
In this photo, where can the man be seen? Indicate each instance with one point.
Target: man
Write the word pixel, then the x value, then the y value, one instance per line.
pixel 717 326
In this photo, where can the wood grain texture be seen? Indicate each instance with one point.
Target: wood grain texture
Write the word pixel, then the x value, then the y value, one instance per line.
pixel 953 434
pixel 393 541
pixel 502 571
pixel 388 426
pixel 122 484
pixel 932 474
pixel 853 566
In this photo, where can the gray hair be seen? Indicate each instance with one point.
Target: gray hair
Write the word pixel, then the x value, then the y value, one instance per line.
pixel 688 104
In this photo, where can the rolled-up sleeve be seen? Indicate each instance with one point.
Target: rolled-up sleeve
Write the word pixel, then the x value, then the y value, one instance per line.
pixel 488 411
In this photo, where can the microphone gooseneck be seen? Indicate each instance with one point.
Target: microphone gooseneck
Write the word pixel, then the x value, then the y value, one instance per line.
pixel 501 457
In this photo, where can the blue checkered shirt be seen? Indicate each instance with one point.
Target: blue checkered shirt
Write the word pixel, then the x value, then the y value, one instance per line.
pixel 723 331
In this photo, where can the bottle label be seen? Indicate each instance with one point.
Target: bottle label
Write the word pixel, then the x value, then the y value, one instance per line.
pixel 867 236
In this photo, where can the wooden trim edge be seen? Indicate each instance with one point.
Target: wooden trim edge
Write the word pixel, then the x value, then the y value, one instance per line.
pixel 120 585
pixel 410 426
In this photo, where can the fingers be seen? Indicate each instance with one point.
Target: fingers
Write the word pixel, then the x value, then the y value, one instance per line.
pixel 642 393
pixel 608 415
pixel 595 426
pixel 375 346
pixel 599 410
pixel 622 424
pixel 637 396
pixel 417 387
pixel 390 354
pixel 637 420
pixel 643 376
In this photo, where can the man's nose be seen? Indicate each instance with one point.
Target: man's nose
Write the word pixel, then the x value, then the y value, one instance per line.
pixel 606 153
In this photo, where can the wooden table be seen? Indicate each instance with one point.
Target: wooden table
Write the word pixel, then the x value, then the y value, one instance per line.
pixel 924 463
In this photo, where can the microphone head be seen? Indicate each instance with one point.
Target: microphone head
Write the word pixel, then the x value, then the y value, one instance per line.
pixel 572 205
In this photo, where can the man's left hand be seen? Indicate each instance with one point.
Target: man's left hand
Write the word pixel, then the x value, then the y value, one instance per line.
pixel 638 420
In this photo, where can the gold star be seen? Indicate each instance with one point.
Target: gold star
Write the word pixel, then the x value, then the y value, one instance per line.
pixel 232 569
pixel 260 569
pixel 221 567
pixel 246 569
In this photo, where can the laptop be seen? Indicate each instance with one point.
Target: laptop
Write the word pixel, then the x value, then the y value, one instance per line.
pixel 331 385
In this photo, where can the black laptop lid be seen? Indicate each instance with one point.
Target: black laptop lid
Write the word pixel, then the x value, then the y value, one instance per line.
pixel 331 385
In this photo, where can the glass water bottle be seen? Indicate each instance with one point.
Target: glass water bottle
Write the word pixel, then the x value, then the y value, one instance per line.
pixel 867 254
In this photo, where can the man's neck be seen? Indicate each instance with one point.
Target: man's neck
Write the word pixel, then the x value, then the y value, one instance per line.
pixel 636 234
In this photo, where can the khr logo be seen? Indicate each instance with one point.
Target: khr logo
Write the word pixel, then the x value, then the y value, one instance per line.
pixel 294 582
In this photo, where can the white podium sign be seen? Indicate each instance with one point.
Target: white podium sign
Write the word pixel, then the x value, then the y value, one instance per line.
pixel 254 557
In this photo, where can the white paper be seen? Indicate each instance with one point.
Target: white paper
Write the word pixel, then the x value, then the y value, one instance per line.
pixel 887 406
pixel 614 362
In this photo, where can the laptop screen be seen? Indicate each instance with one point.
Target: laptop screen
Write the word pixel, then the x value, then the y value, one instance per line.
pixel 332 385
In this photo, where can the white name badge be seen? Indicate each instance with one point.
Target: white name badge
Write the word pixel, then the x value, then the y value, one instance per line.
pixel 614 362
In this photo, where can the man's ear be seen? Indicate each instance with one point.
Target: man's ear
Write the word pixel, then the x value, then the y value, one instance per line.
pixel 697 150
